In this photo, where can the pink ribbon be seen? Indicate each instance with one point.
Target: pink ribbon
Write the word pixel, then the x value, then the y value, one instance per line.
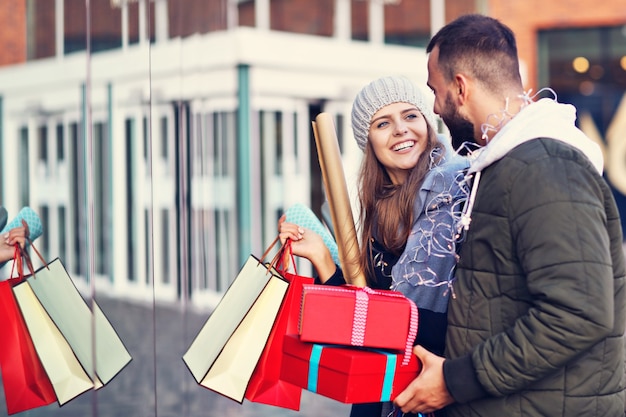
pixel 360 318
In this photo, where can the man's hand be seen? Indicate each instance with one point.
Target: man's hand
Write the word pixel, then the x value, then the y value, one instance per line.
pixel 427 393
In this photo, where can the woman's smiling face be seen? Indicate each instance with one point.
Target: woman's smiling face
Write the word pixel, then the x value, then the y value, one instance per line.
pixel 398 134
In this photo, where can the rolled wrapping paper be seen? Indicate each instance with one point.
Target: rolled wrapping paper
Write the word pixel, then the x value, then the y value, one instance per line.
pixel 338 199
pixel 303 216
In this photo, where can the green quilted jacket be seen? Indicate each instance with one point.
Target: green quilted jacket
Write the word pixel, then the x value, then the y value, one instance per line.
pixel 537 325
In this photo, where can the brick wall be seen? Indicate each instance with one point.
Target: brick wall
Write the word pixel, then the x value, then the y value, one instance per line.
pixel 13 33
pixel 302 16
pixel 45 36
pixel 197 16
pixel 527 17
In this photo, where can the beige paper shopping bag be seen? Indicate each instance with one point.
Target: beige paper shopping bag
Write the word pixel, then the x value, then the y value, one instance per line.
pixel 102 356
pixel 235 364
pixel 216 345
pixel 66 374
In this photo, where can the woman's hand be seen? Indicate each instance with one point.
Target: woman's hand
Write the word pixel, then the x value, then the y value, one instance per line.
pixel 8 241
pixel 307 244
pixel 288 230
pixel 304 242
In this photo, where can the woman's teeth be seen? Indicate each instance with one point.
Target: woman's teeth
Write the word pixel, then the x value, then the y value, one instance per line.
pixel 403 145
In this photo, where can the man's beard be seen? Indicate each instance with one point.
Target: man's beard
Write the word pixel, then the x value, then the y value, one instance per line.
pixel 461 129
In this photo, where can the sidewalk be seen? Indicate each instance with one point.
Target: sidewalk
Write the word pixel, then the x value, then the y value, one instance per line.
pixel 171 391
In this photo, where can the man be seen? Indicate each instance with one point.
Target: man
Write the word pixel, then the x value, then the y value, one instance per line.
pixel 536 326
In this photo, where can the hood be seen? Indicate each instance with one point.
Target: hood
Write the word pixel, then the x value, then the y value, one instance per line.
pixel 543 119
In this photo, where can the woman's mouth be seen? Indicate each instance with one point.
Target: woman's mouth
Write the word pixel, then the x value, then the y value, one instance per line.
pixel 403 145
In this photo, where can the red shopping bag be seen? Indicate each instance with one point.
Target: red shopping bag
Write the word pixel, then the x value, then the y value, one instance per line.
pixel 266 386
pixel 26 384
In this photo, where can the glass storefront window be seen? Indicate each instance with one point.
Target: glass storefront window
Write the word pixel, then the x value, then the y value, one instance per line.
pixel 585 67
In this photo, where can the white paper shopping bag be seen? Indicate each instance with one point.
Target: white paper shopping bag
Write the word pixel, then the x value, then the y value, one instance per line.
pixel 57 293
pixel 225 351
pixel 69 379
pixel 235 364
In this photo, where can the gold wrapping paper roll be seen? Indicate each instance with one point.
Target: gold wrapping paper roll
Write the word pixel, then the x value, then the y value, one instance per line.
pixel 337 193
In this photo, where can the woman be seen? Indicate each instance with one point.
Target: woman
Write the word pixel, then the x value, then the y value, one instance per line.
pixel 409 194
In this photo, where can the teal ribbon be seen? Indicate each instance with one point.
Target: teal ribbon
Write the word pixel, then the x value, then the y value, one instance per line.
pixel 390 371
pixel 314 366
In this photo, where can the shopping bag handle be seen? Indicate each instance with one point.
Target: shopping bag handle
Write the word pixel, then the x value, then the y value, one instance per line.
pixel 269 265
pixel 21 255
pixel 282 258
pixel 269 248
pixel 32 245
pixel 280 261
pixel 17 263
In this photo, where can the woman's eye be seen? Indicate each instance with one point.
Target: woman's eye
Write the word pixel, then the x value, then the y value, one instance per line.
pixel 382 124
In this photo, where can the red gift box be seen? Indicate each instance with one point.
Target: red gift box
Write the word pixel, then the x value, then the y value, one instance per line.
pixel 347 374
pixel 349 315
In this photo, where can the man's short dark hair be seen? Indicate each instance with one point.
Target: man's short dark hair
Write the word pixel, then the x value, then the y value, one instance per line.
pixel 480 46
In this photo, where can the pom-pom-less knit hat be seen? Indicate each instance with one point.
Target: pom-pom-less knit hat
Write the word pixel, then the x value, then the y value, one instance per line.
pixel 378 94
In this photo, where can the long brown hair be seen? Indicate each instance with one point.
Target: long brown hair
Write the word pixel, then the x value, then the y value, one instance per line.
pixel 386 209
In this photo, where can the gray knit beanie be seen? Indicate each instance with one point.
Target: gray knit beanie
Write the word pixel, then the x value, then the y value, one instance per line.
pixel 378 94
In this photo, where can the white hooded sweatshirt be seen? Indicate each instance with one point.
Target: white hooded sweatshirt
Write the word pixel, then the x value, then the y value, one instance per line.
pixel 545 118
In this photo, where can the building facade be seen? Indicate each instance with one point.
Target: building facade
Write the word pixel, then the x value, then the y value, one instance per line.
pixel 161 140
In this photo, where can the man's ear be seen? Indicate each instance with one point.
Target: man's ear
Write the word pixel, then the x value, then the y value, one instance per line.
pixel 462 88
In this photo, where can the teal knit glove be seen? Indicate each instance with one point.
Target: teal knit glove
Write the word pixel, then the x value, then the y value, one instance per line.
pixel 32 220
pixel 303 216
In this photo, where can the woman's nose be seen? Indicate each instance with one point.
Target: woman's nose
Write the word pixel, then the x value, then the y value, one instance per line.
pixel 400 129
